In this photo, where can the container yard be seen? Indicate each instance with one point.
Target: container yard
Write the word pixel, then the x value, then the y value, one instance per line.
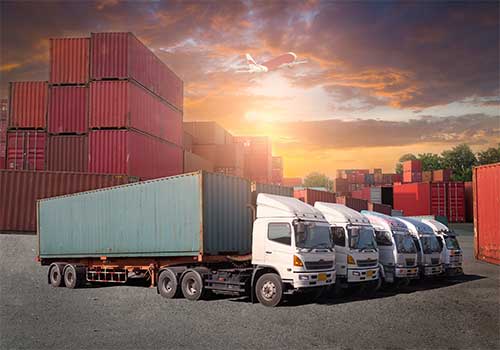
pixel 154 181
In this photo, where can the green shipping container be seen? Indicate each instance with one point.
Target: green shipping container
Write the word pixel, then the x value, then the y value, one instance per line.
pixel 185 215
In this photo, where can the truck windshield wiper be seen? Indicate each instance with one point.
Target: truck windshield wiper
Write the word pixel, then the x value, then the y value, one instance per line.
pixel 317 246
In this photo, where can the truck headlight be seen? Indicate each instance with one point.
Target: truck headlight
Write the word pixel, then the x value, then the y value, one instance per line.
pixel 400 265
pixel 350 260
pixel 303 277
pixel 297 261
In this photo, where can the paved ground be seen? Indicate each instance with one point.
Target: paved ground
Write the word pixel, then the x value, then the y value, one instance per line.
pixel 461 314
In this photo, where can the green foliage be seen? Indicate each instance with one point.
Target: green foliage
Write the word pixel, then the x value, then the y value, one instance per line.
pixel 404 158
pixel 315 179
pixel 460 159
pixel 431 161
pixel 489 156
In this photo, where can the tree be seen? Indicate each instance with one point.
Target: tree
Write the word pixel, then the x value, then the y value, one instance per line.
pixel 315 179
pixel 404 158
pixel 431 161
pixel 489 156
pixel 460 159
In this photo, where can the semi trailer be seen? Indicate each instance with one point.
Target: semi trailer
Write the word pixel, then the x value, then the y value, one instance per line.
pixel 428 247
pixel 187 235
pixel 356 253
pixel 451 253
pixel 396 249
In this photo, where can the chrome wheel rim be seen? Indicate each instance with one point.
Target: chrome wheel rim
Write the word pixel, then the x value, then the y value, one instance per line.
pixel 268 290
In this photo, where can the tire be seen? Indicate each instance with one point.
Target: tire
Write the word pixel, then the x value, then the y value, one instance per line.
pixel 168 285
pixel 269 289
pixel 192 285
pixel 72 277
pixel 56 278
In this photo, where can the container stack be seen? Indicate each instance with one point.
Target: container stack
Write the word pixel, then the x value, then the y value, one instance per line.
pixel 412 171
pixel 311 196
pixel 3 131
pixel 277 170
pixel 257 157
pixel 208 146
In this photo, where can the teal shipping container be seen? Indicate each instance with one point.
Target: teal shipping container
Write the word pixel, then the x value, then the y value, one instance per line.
pixel 258 187
pixel 187 215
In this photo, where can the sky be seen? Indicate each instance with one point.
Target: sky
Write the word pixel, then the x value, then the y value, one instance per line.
pixel 382 78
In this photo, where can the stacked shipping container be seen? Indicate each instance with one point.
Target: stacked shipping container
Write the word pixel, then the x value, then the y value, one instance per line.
pixel 4 105
pixel 277 170
pixel 257 157
pixel 311 196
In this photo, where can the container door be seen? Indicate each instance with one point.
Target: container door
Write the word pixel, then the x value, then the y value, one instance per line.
pixel 15 150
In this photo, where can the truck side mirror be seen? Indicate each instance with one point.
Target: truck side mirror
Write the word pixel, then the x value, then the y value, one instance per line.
pixel 301 228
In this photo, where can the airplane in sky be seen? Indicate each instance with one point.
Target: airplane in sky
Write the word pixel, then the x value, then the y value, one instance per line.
pixel 288 59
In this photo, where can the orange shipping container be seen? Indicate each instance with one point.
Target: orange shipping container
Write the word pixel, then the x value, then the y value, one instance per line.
pixel 310 196
pixel 69 60
pixel 486 189
pixel 28 104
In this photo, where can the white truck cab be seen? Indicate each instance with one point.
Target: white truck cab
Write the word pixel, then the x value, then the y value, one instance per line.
pixel 292 239
pixel 429 249
pixel 451 255
pixel 356 253
pixel 396 248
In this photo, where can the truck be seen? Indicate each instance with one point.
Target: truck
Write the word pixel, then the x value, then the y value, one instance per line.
pixel 356 253
pixel 396 249
pixel 451 253
pixel 188 235
pixel 429 250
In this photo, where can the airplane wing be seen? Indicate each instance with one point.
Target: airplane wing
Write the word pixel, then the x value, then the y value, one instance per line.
pixel 250 59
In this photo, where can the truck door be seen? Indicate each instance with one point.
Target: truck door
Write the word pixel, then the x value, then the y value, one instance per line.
pixel 279 251
pixel 341 251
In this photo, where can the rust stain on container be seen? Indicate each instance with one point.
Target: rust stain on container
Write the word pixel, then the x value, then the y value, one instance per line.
pixel 69 60
pixel 28 104
pixel 19 191
pixel 123 56
pixel 67 153
pixel 68 109
pixel 486 191
pixel 133 153
pixel 124 104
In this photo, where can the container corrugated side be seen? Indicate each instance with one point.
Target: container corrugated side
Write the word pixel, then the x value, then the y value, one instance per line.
pixel 193 162
pixel 486 189
pixel 205 133
pixel 68 109
pixel 28 104
pixel 438 197
pixel 455 197
pixel 311 196
pixel 469 207
pixel 258 187
pixel 133 153
pixel 124 104
pixel 222 156
pixel 67 153
pixel 19 191
pixel 26 149
pixel 122 55
pixel 187 215
pixel 69 60
pixel 413 199
pixel 353 203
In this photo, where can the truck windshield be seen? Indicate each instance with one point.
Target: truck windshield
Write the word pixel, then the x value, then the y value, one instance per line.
pixel 452 243
pixel 404 243
pixel 430 244
pixel 361 237
pixel 313 236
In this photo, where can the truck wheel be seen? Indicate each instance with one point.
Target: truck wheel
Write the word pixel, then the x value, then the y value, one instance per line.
pixel 168 286
pixel 72 277
pixel 269 289
pixel 192 285
pixel 55 275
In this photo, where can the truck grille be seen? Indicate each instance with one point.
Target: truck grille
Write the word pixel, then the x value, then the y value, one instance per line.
pixel 410 262
pixel 319 265
pixel 434 261
pixel 367 262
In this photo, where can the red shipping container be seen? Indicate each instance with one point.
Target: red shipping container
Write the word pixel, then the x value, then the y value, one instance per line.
pixel 310 196
pixel 67 153
pixel 19 191
pixel 456 201
pixel 341 185
pixel 4 109
pixel 364 193
pixel 277 176
pixel 486 190
pixel 133 153
pixel 3 142
pixel 124 104
pixel 469 208
pixel 28 104
pixel 441 175
pixel 413 199
pixel 68 106
pixel 360 178
pixel 353 203
pixel 412 166
pixel 26 149
pixel 380 208
pixel 123 56
pixel 439 204
pixel 397 178
pixel 412 177
pixel 69 60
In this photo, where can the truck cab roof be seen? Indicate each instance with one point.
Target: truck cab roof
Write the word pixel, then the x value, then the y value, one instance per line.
pixel 416 226
pixel 437 226
pixel 336 213
pixel 379 220
pixel 273 206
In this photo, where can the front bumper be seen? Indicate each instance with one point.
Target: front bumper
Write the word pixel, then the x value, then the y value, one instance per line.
pixel 433 270
pixel 362 275
pixel 453 269
pixel 406 272
pixel 313 279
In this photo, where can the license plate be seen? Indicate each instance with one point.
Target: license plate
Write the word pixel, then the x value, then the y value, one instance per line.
pixel 369 273
pixel 322 277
